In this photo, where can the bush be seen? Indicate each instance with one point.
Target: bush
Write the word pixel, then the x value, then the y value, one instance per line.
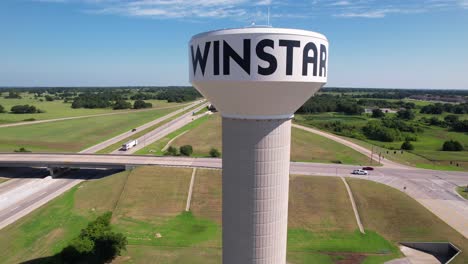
pixel 121 104
pixel 13 95
pixel 139 104
pixel 452 145
pixel 2 109
pixel 374 130
pixel 407 145
pixel 25 109
pixel 377 113
pixel 215 153
pixel 49 98
pixel 171 151
pixel 186 150
pixel 405 114
pixel 95 244
pixel 22 149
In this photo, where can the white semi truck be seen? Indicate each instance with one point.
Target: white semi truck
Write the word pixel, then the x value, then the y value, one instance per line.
pixel 130 144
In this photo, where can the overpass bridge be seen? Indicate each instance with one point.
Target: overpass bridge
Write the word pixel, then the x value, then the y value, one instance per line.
pixel 433 189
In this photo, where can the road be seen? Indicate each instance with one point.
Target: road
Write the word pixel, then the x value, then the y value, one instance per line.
pixel 163 130
pixel 127 134
pixel 433 189
pixel 85 116
pixel 20 196
pixel 358 148
pixel 20 200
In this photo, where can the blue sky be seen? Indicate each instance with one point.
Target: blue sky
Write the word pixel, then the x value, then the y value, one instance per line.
pixel 373 43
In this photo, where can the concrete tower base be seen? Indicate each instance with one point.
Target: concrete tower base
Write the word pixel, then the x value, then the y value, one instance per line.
pixel 255 190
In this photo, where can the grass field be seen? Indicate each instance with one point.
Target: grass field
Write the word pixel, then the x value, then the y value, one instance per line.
pixel 427 153
pixel 73 135
pixel 461 190
pixel 403 219
pixel 305 146
pixel 150 200
pixel 57 109
pixel 3 179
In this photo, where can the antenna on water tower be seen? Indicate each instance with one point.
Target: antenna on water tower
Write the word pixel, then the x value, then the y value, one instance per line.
pixel 268 17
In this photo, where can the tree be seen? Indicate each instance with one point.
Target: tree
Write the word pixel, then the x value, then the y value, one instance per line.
pixel 452 145
pixel 407 145
pixel 13 95
pixel 2 109
pixel 121 104
pixel 405 114
pixel 49 98
pixel 450 119
pixel 139 104
pixel 377 113
pixel 171 151
pixel 214 153
pixel 25 109
pixel 186 150
pixel 96 243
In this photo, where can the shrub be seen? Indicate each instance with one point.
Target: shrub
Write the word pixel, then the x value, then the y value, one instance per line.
pixel 186 150
pixel 214 153
pixel 49 98
pixel 139 104
pixel 2 109
pixel 25 109
pixel 377 113
pixel 405 114
pixel 171 151
pixel 22 149
pixel 121 104
pixel 452 145
pixel 407 145
pixel 96 243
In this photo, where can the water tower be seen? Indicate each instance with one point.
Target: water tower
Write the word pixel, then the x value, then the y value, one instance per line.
pixel 257 78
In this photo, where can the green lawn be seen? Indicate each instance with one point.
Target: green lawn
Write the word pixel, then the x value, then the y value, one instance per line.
pixel 398 217
pixel 57 109
pixel 206 133
pixel 148 204
pixel 73 135
pixel 461 190
pixel 427 153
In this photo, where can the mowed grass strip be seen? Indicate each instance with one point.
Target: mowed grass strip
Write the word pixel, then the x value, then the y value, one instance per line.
pixel 462 191
pixel 73 135
pixel 140 133
pixel 399 218
pixel 305 146
pixel 207 195
pixel 320 204
pixel 155 148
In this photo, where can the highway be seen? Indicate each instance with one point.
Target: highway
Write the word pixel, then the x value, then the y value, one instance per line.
pixel 163 130
pixel 127 134
pixel 20 196
pixel 433 189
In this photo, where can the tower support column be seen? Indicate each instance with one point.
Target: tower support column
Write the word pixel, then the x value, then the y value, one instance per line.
pixel 256 155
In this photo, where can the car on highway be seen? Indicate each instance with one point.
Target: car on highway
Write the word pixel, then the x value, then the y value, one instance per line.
pixel 367 168
pixel 360 172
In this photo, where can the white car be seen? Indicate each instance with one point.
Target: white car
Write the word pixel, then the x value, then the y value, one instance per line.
pixel 360 172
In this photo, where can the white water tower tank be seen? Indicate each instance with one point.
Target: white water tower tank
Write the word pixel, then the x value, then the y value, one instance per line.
pixel 257 78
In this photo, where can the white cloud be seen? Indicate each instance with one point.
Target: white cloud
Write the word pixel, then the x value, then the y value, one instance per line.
pixel 341 3
pixel 464 4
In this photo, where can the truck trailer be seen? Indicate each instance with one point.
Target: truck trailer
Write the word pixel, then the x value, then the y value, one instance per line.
pixel 130 144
